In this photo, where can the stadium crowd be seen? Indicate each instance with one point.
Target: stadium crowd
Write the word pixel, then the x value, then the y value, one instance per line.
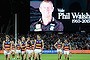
pixel 78 41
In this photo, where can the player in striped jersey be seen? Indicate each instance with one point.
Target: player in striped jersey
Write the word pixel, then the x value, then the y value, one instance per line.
pixel 23 48
pixel 39 45
pixel 18 49
pixel 7 47
pixel 33 53
pixel 13 49
pixel 58 46
pixel 29 48
pixel 66 47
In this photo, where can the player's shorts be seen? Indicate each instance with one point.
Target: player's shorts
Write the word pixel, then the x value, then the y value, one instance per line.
pixel 12 51
pixel 33 51
pixel 29 51
pixel 6 52
pixel 59 50
pixel 23 52
pixel 37 50
pixel 66 52
pixel 18 51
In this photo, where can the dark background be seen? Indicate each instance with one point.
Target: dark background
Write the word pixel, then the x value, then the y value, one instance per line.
pixel 8 8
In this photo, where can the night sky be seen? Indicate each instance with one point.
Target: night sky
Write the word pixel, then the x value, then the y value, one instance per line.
pixel 7 10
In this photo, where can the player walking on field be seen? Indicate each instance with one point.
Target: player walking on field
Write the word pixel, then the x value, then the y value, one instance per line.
pixel 66 47
pixel 58 46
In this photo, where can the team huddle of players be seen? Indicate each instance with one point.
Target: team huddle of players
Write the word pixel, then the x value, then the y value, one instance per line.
pixel 27 49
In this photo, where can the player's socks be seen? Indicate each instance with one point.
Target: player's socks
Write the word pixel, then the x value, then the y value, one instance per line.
pixel 68 58
pixel 13 56
pixel 35 59
pixel 39 57
pixel 29 58
pixel 32 58
pixel 25 59
pixel 9 58
pixel 22 57
pixel 18 58
pixel 6 57
pixel 60 57
pixel 65 58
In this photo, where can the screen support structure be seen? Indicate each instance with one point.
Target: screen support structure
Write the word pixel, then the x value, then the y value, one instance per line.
pixel 15 28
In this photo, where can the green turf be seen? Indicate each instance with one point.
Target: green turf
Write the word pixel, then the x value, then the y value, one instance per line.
pixel 54 57
pixel 72 57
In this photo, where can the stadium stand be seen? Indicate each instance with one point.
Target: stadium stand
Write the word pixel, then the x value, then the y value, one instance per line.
pixel 78 41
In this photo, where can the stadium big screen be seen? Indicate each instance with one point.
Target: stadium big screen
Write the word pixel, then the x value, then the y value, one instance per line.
pixel 73 14
pixel 69 20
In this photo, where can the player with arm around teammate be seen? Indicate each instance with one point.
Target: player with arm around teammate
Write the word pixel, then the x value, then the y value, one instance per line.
pixel 18 49
pixel 13 50
pixel 58 46
pixel 29 50
pixel 33 53
pixel 23 48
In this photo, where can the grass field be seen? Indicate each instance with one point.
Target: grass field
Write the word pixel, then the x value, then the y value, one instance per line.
pixel 54 57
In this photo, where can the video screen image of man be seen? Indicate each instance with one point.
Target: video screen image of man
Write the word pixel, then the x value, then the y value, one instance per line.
pixel 47 22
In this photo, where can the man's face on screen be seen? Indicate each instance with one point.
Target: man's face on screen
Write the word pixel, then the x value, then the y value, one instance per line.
pixel 46 8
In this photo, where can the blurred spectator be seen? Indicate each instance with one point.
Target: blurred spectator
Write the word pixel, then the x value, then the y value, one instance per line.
pixel 88 45
pixel 0 44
